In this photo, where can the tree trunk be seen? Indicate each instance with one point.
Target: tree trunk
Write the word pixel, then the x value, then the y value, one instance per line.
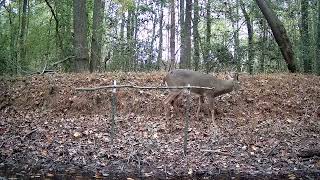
pixel 126 65
pixel 208 37
pixel 129 62
pixel 250 38
pixel 123 19
pixel 97 31
pixel 172 35
pixel 153 38
pixel 305 46
pixel 119 50
pixel 264 46
pixel 159 58
pixel 280 34
pixel 236 39
pixel 135 34
pixel 22 37
pixel 81 63
pixel 318 42
pixel 182 34
pixel 129 26
pixel 57 27
pixel 13 33
pixel 186 63
pixel 196 36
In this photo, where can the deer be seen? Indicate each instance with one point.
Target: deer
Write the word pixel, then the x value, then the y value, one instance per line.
pixel 184 77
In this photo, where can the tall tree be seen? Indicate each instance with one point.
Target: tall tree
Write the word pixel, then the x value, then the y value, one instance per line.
pixel 97 31
pixel 279 33
pixel 250 37
pixel 159 58
pixel 185 61
pixel 81 62
pixel 135 32
pixel 172 35
pixel 182 33
pixel 318 42
pixel 235 26
pixel 305 46
pixel 196 36
pixel 263 45
pixel 131 38
pixel 153 38
pixel 13 44
pixel 57 27
pixel 208 37
pixel 22 36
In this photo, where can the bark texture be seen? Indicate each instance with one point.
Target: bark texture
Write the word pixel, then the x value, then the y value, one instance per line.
pixel 279 33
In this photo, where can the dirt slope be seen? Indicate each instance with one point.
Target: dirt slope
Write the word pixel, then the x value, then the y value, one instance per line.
pixel 46 125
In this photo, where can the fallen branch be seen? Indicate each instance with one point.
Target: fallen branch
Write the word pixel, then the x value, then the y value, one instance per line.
pixel 216 151
pixel 65 59
pixel 142 87
pixel 308 153
pixel 273 148
pixel 28 134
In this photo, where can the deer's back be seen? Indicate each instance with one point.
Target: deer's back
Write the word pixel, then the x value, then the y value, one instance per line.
pixel 182 77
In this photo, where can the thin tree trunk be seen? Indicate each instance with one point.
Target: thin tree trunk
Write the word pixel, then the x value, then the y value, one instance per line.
pixel 235 26
pixel 305 45
pixel 208 37
pixel 264 46
pixel 250 38
pixel 236 39
pixel 123 19
pixel 59 39
pixel 172 35
pixel 196 36
pixel 129 26
pixel 187 24
pixel 159 58
pixel 318 42
pixel 13 52
pixel 135 34
pixel 97 31
pixel 279 33
pixel 182 34
pixel 153 38
pixel 120 51
pixel 126 66
pixel 22 36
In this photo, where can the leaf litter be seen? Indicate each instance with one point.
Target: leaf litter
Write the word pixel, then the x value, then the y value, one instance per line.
pixel 47 127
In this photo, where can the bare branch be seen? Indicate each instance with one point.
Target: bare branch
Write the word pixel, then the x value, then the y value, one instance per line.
pixel 142 87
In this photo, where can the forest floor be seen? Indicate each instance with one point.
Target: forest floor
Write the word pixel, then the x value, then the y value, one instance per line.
pixel 268 129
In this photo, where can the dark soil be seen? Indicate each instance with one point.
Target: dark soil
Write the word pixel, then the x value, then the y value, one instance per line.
pixel 49 129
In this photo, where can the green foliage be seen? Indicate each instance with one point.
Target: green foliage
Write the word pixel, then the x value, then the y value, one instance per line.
pixel 45 45
pixel 144 8
pixel 126 5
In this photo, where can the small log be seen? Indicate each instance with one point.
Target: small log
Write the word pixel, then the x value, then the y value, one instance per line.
pixel 308 153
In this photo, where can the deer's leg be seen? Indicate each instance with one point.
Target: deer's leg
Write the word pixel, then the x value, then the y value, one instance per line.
pixel 212 108
pixel 170 101
pixel 201 100
pixel 172 97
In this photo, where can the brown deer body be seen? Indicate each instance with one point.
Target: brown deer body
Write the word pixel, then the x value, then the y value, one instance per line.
pixel 183 77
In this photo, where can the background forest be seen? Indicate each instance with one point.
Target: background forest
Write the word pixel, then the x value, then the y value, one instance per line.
pixel 144 35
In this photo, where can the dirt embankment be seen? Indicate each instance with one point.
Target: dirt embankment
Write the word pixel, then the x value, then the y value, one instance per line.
pixel 46 125
pixel 283 96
